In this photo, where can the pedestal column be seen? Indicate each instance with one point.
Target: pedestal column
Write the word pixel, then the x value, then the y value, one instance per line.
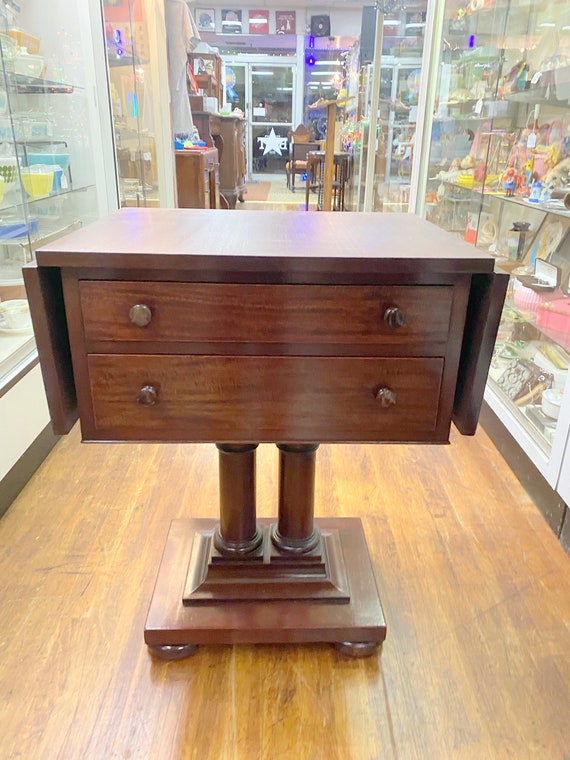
pixel 237 534
pixel 295 531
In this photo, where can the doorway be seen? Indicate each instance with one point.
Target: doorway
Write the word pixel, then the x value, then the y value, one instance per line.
pixel 265 91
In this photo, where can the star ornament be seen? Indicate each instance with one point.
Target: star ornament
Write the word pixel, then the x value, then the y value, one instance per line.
pixel 272 143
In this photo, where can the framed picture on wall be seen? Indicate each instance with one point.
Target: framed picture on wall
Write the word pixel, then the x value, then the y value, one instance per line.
pixel 258 22
pixel 285 22
pixel 231 21
pixel 205 19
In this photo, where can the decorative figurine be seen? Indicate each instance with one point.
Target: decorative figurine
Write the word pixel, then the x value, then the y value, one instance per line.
pixel 510 181
pixel 535 192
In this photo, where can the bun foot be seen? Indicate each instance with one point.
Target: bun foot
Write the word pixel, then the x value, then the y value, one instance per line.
pixel 170 652
pixel 357 648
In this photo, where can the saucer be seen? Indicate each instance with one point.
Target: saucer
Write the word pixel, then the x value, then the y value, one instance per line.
pixel 16 330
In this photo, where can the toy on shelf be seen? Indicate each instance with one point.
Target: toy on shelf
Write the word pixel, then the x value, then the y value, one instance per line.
pixel 510 181
pixel 535 192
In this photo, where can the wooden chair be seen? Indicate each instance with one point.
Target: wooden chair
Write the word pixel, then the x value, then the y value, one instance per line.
pixel 297 163
pixel 300 143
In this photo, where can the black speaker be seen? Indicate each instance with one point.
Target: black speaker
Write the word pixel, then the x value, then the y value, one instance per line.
pixel 320 26
pixel 367 34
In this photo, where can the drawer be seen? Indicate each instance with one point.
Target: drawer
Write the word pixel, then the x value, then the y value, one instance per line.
pixel 263 398
pixel 212 313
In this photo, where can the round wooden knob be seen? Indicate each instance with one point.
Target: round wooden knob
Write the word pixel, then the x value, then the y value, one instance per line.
pixel 386 397
pixel 394 317
pixel 147 396
pixel 140 315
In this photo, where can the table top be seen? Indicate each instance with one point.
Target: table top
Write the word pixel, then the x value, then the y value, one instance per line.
pixel 307 244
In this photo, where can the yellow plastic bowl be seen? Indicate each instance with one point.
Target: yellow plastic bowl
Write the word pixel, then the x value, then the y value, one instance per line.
pixel 36 184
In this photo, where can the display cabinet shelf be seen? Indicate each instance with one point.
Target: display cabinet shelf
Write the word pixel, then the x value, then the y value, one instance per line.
pixel 25 85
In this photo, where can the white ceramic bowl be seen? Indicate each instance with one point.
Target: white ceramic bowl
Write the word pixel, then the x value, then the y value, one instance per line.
pixel 551 400
pixel 15 315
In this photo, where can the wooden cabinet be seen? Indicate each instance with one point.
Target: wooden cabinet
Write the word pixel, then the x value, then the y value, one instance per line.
pixel 226 133
pixel 170 325
pixel 232 164
pixel 197 178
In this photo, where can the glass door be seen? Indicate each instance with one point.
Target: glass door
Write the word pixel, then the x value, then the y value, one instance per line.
pixel 265 94
pixel 237 89
pixel 271 116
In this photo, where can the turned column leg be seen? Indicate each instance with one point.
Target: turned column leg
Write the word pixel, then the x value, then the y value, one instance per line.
pixel 237 534
pixel 295 530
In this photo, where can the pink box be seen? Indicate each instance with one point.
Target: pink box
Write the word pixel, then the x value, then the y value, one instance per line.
pixel 555 315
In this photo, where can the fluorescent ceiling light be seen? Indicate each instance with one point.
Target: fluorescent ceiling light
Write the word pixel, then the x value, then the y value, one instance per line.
pixel 328 63
pixel 262 73
pixel 547 25
pixel 391 22
pixel 324 73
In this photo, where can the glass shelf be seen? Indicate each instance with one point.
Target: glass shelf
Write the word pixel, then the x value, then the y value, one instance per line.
pixel 25 85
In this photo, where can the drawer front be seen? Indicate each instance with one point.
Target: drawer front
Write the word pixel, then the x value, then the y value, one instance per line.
pixel 268 314
pixel 262 398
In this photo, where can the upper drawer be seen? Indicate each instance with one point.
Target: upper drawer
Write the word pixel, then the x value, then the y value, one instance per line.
pixel 403 315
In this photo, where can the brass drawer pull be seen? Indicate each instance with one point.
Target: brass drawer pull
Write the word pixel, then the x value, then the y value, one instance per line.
pixel 386 397
pixel 147 396
pixel 140 315
pixel 394 317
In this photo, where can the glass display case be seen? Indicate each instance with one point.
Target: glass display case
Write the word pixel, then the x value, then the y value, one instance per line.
pixel 139 96
pixel 396 105
pixel 47 153
pixel 499 177
pixel 52 176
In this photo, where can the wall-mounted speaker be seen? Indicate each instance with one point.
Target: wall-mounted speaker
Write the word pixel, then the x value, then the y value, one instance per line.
pixel 320 26
pixel 367 34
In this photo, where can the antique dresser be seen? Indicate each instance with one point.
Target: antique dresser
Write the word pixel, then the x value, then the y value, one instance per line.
pixel 237 329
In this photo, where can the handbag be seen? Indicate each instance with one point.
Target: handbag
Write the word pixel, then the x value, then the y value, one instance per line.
pixel 523 382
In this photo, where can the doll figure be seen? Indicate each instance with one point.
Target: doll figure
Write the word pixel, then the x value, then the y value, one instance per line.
pixel 510 182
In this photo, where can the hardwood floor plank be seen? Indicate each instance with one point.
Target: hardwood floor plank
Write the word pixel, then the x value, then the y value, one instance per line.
pixel 475 588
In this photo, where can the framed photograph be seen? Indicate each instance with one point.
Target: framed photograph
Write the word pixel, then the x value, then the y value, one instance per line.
pixel 285 22
pixel 560 258
pixel 231 21
pixel 205 19
pixel 548 239
pixel 258 22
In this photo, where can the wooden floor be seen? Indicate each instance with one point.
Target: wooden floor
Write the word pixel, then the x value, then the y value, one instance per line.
pixel 475 587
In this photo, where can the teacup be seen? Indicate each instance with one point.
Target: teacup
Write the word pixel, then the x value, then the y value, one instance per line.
pixel 15 314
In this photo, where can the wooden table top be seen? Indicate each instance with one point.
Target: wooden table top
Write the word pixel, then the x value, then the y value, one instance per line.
pixel 199 239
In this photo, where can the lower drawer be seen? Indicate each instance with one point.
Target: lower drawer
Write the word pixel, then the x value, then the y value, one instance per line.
pixel 262 398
